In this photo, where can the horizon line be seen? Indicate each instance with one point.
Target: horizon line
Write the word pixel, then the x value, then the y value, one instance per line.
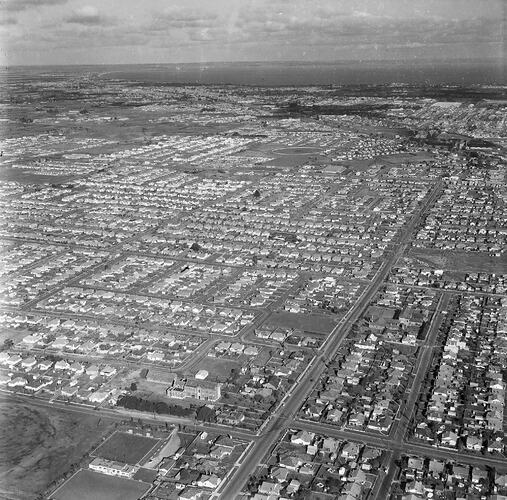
pixel 493 60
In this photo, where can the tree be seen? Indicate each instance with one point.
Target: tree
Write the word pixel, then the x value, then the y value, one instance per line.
pixel 133 387
pixel 161 407
pixel 294 106
pixel 302 494
pixel 334 484
pixel 206 414
pixel 233 375
pixel 256 194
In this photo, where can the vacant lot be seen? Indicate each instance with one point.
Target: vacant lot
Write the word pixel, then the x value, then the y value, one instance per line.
pixel 219 368
pixel 466 262
pixel 314 323
pixel 39 444
pixel 90 485
pixel 294 160
pixel 27 177
pixel 12 334
pixel 124 447
pixel 297 150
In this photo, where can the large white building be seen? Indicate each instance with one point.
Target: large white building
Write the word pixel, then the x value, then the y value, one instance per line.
pixel 112 468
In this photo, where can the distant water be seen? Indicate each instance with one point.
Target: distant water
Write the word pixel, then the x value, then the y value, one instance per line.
pixel 297 74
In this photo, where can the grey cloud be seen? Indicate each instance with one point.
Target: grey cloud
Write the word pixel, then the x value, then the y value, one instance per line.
pixel 66 38
pixel 183 19
pixel 20 5
pixel 8 21
pixel 261 30
pixel 88 17
pixel 328 26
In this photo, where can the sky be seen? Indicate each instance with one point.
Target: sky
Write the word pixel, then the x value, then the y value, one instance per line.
pixel 38 32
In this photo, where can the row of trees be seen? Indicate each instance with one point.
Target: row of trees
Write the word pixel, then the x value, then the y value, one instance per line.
pixel 203 413
pixel 141 404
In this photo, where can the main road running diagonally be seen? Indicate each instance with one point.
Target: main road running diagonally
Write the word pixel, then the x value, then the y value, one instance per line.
pixel 285 414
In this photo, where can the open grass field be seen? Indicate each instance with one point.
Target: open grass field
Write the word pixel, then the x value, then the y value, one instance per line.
pixel 335 169
pixel 15 335
pixel 39 444
pixel 297 150
pixel 358 165
pixel 399 158
pixel 151 388
pixel 315 323
pixel 466 262
pixel 27 177
pixel 219 369
pixel 124 447
pixel 293 160
pixel 90 485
